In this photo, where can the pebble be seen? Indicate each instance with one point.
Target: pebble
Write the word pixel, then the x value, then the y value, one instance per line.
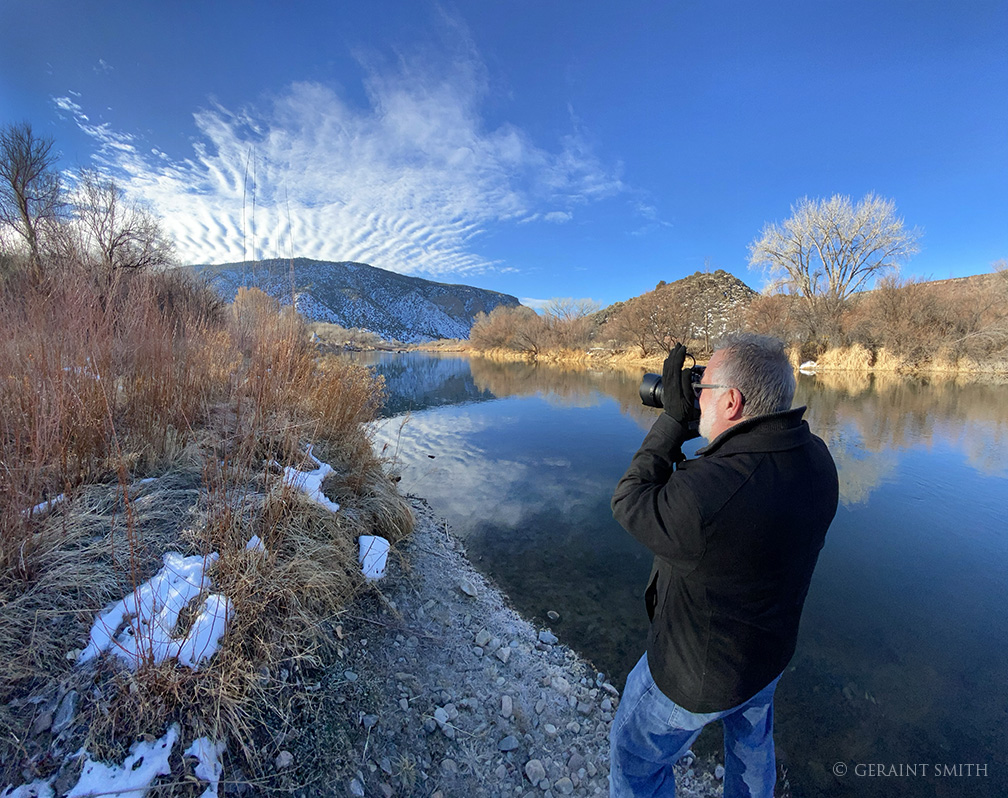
pixel 509 743
pixel 350 676
pixel 449 766
pixel 719 772
pixel 547 637
pixel 560 684
pixel 483 637
pixel 404 704
pixel 550 729
pixel 503 654
pixel 502 772
pixel 535 771
pixel 284 760
pixel 507 706
pixel 356 788
pixel 575 763
pixel 540 706
pixel 441 716
pixel 584 707
pixel 564 786
pixel 606 705
pixel 467 587
pixel 553 615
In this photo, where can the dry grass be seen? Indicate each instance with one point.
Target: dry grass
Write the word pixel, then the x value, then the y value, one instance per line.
pixel 103 383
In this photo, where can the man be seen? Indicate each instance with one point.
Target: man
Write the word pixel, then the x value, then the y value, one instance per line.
pixel 735 533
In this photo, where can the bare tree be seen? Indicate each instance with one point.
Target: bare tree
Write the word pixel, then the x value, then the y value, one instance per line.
pixel 30 194
pixel 123 233
pixel 569 321
pixel 829 249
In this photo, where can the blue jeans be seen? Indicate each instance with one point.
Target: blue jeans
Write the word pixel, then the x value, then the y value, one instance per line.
pixel 650 733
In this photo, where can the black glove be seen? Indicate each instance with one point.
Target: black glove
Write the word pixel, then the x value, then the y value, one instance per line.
pixel 677 392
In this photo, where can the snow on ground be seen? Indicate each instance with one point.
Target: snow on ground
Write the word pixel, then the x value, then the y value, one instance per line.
pixel 146 761
pixel 310 482
pixel 140 627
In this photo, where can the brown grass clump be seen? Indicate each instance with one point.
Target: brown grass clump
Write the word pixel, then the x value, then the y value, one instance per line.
pixel 103 381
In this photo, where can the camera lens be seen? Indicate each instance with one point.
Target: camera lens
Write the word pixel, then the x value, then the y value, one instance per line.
pixel 651 390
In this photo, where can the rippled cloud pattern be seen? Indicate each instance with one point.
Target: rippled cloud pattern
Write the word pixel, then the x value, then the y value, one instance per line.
pixel 404 182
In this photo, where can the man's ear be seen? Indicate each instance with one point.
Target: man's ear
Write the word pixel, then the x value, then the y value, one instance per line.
pixel 734 404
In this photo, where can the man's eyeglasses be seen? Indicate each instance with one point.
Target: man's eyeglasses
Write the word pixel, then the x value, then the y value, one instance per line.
pixel 699 386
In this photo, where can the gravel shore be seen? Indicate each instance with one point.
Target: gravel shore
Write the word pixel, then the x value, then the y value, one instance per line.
pixel 441 689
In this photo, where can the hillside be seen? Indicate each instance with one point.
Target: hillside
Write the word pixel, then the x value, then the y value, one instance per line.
pixel 702 306
pixel 395 306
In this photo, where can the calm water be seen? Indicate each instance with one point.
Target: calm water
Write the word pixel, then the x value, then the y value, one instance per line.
pixel 903 654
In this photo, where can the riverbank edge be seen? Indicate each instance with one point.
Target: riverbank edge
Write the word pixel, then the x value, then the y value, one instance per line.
pixel 451 693
pixel 844 360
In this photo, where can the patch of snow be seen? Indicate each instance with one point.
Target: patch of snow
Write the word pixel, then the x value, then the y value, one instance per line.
pixel 140 627
pixel 46 506
pixel 373 556
pixel 209 768
pixel 255 544
pixel 310 482
pixel 146 761
pixel 37 789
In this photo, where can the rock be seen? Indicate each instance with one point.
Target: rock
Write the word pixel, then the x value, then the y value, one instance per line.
pixel 449 766
pixel 350 676
pixel 553 615
pixel 483 637
pixel 719 772
pixel 547 637
pixel 369 722
pixel 561 685
pixel 65 713
pixel 592 770
pixel 584 707
pixel 403 704
pixel 502 772
pixel 535 771
pixel 284 760
pixel 503 654
pixel 430 725
pixel 606 705
pixel 574 727
pixel 386 765
pixel 507 706
pixel 42 723
pixel 441 716
pixel 564 786
pixel 356 788
pixel 386 790
pixel 550 729
pixel 576 762
pixel 467 587
pixel 540 706
pixel 509 743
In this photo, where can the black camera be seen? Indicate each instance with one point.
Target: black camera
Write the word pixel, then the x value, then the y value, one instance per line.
pixel 651 392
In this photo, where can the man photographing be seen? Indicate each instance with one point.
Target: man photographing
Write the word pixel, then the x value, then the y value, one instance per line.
pixel 735 533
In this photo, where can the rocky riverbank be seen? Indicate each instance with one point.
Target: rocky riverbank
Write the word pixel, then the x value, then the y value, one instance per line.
pixel 439 688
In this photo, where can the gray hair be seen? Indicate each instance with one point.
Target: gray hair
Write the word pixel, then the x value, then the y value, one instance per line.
pixel 758 366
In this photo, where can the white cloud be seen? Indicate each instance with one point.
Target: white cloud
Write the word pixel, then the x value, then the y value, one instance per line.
pixel 404 183
pixel 558 217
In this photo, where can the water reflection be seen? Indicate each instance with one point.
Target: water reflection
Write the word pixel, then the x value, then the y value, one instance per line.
pixel 902 655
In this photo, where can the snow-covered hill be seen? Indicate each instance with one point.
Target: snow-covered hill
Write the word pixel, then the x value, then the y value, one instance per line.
pixel 395 306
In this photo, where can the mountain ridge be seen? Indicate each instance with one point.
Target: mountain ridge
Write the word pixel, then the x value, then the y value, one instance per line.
pixel 398 307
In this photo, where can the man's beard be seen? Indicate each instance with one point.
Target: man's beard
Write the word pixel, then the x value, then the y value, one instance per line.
pixel 705 426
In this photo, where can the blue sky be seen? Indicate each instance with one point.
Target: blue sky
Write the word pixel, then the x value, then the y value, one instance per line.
pixel 585 149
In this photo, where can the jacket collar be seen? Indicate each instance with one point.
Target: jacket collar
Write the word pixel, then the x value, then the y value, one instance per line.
pixel 772 432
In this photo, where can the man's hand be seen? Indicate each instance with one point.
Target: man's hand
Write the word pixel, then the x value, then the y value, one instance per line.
pixel 677 392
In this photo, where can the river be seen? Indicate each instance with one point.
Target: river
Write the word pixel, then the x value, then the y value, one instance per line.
pixel 899 686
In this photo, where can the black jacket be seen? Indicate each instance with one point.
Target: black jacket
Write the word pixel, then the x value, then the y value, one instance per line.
pixel 736 533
